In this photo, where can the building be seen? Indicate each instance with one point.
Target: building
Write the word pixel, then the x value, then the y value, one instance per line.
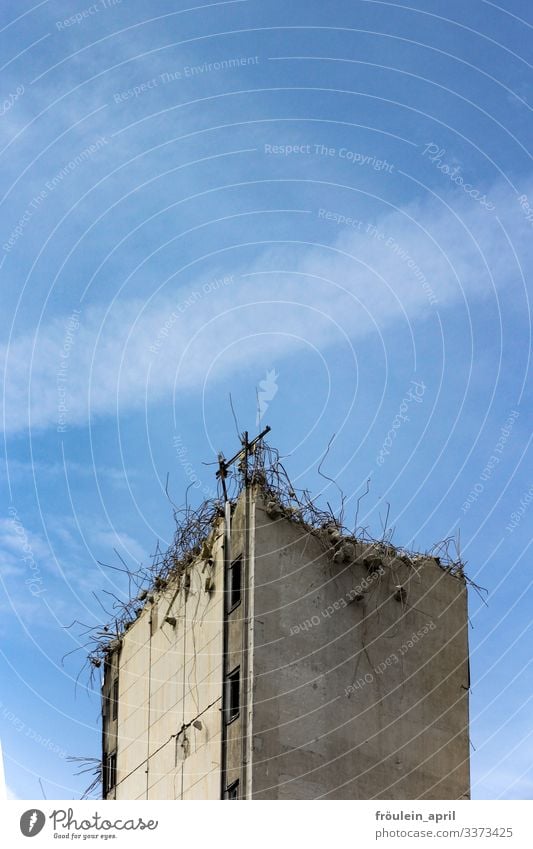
pixel 286 660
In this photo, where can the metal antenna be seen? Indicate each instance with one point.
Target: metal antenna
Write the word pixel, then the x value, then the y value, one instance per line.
pixel 242 455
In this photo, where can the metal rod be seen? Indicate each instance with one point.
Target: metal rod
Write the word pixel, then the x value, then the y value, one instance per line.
pixel 225 464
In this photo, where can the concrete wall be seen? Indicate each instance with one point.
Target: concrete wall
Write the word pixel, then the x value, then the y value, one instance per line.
pixel 169 677
pixel 353 697
pixel 356 699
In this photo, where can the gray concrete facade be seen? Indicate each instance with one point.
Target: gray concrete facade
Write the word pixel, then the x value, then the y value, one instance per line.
pixel 283 663
pixel 361 673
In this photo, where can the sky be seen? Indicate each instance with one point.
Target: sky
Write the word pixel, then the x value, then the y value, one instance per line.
pixel 324 209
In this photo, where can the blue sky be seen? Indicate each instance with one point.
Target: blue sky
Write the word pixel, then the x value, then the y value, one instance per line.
pixel 325 205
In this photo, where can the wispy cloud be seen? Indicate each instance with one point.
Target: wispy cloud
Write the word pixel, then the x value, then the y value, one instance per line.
pixel 45 579
pixel 403 267
pixel 126 545
pixel 14 539
pixel 23 470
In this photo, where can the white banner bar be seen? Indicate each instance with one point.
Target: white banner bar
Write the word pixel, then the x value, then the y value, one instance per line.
pixel 355 824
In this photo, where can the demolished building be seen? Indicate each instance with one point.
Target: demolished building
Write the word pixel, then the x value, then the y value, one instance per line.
pixel 273 653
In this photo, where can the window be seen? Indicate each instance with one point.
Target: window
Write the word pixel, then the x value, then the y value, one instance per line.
pixel 114 699
pixel 110 772
pixel 234 583
pixel 232 791
pixel 233 695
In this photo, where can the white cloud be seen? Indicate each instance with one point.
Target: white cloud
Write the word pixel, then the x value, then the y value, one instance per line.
pixel 122 542
pixel 16 542
pixel 21 470
pixel 44 584
pixel 140 350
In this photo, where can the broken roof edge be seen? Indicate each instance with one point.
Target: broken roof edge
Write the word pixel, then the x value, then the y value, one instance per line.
pixel 263 470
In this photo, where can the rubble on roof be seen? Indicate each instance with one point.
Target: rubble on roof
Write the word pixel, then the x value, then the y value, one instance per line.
pixel 194 535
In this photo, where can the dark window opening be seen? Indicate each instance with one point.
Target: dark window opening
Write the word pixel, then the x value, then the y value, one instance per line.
pixel 114 700
pixel 232 791
pixel 233 695
pixel 234 583
pixel 110 772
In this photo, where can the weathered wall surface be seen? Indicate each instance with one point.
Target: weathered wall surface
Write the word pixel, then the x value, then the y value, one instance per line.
pixel 169 678
pixel 360 676
pixel 356 699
